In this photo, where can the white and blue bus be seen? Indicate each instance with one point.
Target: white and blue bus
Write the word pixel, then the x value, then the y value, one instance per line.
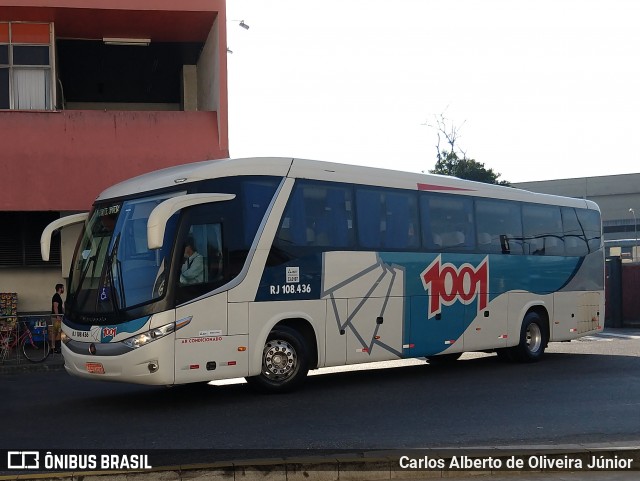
pixel 303 264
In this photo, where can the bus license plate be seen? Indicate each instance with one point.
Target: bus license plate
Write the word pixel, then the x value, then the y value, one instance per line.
pixel 95 368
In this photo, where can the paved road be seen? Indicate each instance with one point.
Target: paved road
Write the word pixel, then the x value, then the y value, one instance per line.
pixel 585 391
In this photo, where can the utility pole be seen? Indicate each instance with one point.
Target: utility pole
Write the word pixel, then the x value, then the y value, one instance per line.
pixel 635 230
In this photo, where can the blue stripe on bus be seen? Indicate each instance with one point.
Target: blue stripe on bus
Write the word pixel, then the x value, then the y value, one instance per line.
pixel 423 328
pixel 535 274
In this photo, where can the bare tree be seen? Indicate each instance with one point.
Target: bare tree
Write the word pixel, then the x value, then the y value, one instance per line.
pixel 452 159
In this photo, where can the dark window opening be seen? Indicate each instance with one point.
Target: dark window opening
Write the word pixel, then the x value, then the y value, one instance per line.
pixel 93 72
pixel 20 239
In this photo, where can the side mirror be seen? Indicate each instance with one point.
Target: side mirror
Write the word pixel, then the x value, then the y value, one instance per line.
pixel 159 217
pixel 45 238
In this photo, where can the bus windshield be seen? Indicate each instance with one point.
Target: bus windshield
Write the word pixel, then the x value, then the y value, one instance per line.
pixel 113 269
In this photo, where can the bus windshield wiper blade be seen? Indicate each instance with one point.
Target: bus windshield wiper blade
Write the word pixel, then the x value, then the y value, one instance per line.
pixel 119 290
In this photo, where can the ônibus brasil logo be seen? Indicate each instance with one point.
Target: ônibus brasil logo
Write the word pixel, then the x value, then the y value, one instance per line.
pixel 448 284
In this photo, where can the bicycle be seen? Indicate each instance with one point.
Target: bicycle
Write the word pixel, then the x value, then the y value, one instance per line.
pixel 34 348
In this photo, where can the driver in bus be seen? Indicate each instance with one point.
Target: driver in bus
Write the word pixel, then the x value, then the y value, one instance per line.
pixel 192 271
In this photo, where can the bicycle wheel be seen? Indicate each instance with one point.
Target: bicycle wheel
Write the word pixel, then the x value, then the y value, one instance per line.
pixel 35 351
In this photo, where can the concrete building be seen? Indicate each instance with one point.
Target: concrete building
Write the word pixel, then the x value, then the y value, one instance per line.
pixel 93 92
pixel 615 194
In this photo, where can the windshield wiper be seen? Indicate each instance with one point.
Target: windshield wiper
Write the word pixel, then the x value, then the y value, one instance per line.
pixel 91 262
pixel 121 301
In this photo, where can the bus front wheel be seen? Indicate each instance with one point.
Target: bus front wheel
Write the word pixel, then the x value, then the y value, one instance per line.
pixel 285 362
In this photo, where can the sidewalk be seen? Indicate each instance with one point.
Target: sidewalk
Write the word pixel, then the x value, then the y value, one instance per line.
pixel 16 363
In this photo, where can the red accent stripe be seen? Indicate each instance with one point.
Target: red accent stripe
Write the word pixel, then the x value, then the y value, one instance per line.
pixel 441 188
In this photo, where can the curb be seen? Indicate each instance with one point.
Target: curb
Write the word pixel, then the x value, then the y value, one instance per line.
pixel 368 466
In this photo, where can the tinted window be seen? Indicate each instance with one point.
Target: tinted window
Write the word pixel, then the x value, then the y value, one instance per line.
pixel 575 242
pixel 387 219
pixel 318 215
pixel 542 229
pixel 4 88
pixel 590 222
pixel 220 234
pixel 257 195
pixel 498 226
pixel 4 55
pixel 30 55
pixel 447 222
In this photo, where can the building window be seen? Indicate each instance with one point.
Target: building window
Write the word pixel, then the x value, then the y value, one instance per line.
pixel 25 66
pixel 20 239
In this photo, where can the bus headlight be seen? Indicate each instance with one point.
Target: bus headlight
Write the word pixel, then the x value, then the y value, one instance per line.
pixel 140 340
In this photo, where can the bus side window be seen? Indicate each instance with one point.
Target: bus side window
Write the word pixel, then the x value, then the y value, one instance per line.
pixel 574 236
pixel 498 226
pixel 591 224
pixel 542 229
pixel 387 219
pixel 317 216
pixel 369 216
pixel 447 222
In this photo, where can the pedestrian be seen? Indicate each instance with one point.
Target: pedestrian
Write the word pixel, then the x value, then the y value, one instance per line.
pixel 55 324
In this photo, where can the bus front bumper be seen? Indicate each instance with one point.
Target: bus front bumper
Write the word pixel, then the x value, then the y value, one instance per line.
pixel 151 364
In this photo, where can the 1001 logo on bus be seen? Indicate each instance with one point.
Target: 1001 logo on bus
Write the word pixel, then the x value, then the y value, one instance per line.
pixel 448 284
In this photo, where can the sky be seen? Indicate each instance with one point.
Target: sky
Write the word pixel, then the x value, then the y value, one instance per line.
pixel 544 89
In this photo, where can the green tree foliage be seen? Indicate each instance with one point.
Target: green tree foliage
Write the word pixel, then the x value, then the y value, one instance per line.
pixel 450 164
pixel 454 161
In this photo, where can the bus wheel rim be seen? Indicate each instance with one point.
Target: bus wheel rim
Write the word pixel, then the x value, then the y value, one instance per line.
pixel 534 337
pixel 279 360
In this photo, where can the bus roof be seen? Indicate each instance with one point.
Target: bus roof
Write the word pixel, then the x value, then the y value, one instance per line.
pixel 327 171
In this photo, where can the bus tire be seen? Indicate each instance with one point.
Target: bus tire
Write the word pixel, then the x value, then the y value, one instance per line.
pixel 285 362
pixel 533 339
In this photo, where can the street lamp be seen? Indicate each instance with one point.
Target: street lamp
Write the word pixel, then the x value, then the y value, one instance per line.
pixel 241 24
pixel 635 230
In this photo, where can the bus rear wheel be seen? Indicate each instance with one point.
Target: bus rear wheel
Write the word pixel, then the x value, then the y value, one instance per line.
pixel 285 362
pixel 533 339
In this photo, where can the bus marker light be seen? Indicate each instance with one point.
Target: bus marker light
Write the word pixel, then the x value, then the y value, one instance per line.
pixel 478 329
pixel 408 346
pixel 449 342
pixel 573 330
pixel 242 348
pixel 194 366
pixel 231 363
pixel 364 349
pixel 503 336
pixel 377 337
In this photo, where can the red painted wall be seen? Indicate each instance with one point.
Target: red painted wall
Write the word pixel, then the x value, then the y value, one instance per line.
pixel 63 160
pixel 631 292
